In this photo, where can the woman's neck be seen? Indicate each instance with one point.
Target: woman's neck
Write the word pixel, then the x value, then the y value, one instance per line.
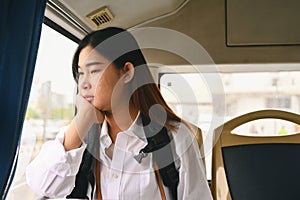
pixel 120 121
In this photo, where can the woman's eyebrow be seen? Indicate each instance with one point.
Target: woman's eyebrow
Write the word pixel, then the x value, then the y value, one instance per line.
pixel 91 64
pixel 94 63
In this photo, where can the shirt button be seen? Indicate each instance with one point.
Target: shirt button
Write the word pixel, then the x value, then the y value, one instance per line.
pixel 115 176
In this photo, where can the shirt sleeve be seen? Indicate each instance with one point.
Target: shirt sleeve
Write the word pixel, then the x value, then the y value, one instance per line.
pixel 192 179
pixel 52 173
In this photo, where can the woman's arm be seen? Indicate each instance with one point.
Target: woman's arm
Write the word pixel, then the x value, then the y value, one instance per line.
pixel 192 179
pixel 86 116
pixel 52 173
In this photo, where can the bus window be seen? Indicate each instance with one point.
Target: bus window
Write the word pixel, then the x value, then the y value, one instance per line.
pixel 246 92
pixel 190 97
pixel 267 127
pixel 50 104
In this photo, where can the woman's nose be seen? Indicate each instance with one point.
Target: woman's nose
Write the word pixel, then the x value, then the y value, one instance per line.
pixel 85 84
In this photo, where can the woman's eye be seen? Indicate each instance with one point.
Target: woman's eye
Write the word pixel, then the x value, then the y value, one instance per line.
pixel 80 73
pixel 95 71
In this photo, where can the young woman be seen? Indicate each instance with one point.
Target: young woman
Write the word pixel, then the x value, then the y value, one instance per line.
pixel 116 91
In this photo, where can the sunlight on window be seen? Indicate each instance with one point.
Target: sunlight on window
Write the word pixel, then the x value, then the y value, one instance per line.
pixel 190 97
pixel 50 104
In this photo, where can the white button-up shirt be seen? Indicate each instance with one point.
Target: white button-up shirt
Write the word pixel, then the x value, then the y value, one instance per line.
pixel 52 173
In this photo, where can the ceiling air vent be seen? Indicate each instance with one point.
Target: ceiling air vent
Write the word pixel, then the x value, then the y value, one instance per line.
pixel 100 17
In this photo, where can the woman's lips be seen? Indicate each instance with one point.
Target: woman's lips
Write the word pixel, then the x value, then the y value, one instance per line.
pixel 89 98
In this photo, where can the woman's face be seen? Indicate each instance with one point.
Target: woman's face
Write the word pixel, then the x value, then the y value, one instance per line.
pixel 97 78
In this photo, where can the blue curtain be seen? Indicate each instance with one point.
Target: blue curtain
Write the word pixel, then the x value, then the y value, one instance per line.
pixel 20 28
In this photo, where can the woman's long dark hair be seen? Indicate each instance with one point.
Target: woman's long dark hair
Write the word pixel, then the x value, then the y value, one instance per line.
pixel 119 46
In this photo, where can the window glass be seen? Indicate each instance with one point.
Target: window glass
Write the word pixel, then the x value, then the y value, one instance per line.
pixel 246 92
pixel 190 95
pixel 50 104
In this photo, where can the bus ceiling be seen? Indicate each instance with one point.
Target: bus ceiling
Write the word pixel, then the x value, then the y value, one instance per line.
pixel 231 31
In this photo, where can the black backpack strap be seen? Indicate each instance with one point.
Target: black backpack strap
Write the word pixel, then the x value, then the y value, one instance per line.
pixel 85 175
pixel 160 146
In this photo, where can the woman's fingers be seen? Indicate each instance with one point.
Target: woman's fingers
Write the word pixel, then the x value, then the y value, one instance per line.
pixel 85 108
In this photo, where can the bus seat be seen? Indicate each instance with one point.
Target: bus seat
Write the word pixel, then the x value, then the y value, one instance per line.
pixel 259 167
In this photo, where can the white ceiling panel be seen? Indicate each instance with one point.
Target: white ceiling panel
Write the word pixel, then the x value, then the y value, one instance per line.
pixel 127 13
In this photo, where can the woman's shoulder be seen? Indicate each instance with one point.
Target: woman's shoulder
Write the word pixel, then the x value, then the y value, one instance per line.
pixel 183 129
pixel 183 136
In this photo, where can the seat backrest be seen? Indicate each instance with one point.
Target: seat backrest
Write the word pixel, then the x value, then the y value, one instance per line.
pixel 260 167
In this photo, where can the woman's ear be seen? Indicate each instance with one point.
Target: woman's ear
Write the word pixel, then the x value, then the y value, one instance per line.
pixel 128 72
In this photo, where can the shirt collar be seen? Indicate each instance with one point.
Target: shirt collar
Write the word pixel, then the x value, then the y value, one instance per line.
pixel 136 130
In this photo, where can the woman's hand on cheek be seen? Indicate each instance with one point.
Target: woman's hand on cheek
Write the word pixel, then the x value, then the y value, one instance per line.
pixel 87 112
pixel 86 116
